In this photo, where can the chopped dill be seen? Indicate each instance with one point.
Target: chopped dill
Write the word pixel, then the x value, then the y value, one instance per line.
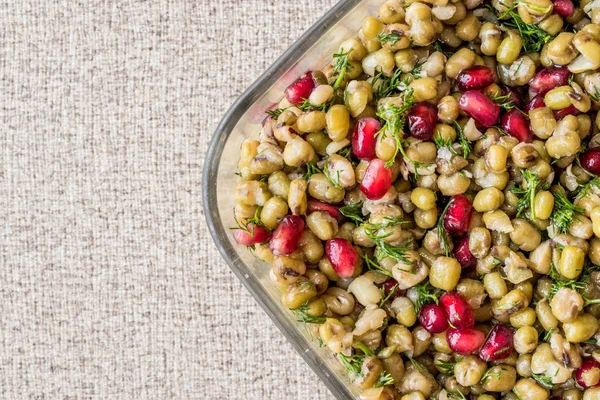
pixel 573 284
pixel 311 169
pixel 385 86
pixel 275 113
pixel 394 118
pixel 504 102
pixel 385 379
pixel 425 295
pixel 564 211
pixel 446 367
pixel 462 140
pixel 391 38
pixel 373 265
pixel 442 234
pixel 353 212
pixel 533 185
pixel 307 106
pixel 586 189
pixel 303 316
pixel 534 37
pixel 543 380
pixel 341 67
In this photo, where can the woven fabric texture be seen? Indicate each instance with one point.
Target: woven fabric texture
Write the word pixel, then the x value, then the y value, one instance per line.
pixel 110 285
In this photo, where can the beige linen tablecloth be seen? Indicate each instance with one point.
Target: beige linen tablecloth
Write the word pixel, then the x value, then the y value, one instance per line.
pixel 110 286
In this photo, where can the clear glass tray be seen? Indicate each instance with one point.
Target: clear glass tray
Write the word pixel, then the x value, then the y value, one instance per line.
pixel 243 120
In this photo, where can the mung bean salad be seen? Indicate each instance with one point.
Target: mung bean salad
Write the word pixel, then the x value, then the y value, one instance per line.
pixel 429 202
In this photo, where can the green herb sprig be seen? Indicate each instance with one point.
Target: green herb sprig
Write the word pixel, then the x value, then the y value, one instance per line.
pixel 275 113
pixel 442 234
pixel 527 200
pixel 391 38
pixel 462 140
pixel 534 37
pixel 342 63
pixel 353 212
pixel 373 265
pixel 311 169
pixel 504 102
pixel 249 224
pixel 394 118
pixel 425 295
pixel 446 367
pixel 564 211
pixel 303 316
pixel 543 380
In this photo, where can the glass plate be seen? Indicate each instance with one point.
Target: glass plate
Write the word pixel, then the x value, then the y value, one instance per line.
pixel 243 120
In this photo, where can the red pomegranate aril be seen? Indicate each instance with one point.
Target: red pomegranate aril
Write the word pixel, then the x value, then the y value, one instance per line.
pixel 516 124
pixel 535 102
pixel 433 318
pixel 287 235
pixel 475 78
pixel 549 78
pixel 590 160
pixel 342 256
pixel 256 234
pixel 564 8
pixel 458 310
pixel 588 375
pixel 560 114
pixel 421 120
pixel 464 341
pixel 498 345
pixel 480 107
pixel 301 89
pixel 458 215
pixel 377 180
pixel 316 205
pixel 388 288
pixel 363 138
pixel 463 254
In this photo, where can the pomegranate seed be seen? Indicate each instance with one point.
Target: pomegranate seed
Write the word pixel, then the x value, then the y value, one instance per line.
pixel 517 125
pixel 388 286
pixel 287 235
pixel 316 205
pixel 377 180
pixel 560 114
pixel 475 78
pixel 590 160
pixel 422 119
pixel 535 102
pixel 433 318
pixel 549 78
pixel 464 341
pixel 564 8
pixel 498 345
pixel 513 96
pixel 363 138
pixel 463 254
pixel 458 215
pixel 256 234
pixel 301 89
pixel 588 375
pixel 342 255
pixel 458 310
pixel 480 107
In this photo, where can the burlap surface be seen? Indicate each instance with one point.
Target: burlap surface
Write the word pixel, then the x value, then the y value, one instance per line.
pixel 110 286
